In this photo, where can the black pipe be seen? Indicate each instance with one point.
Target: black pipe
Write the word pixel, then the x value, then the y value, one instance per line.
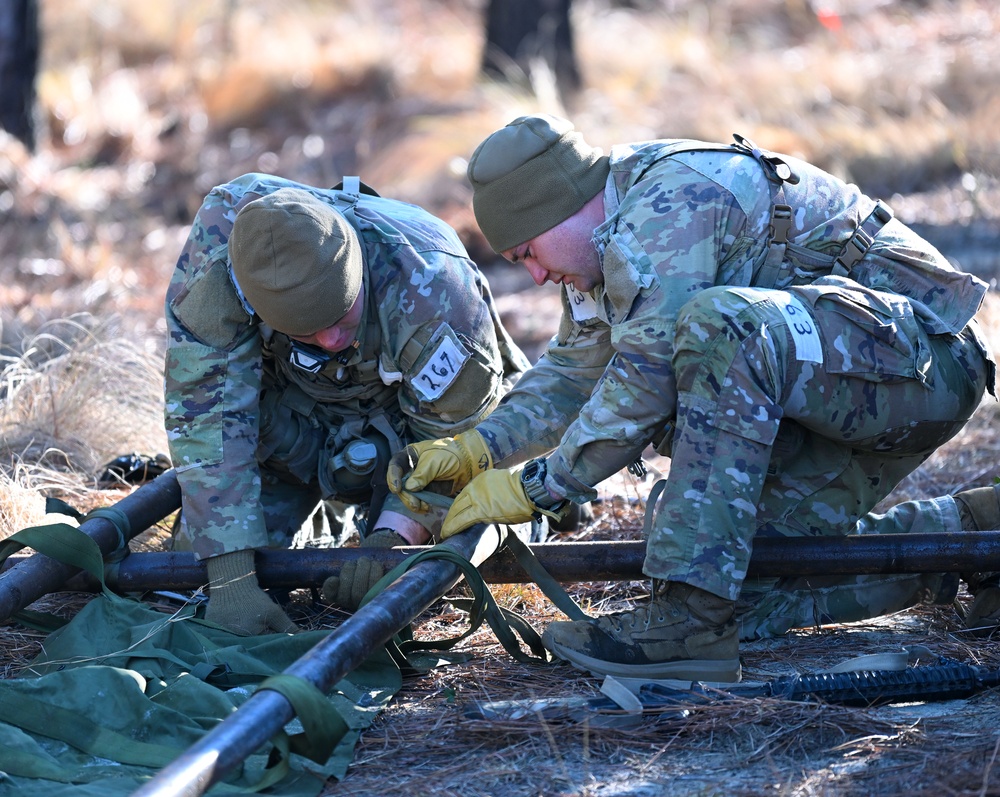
pixel 32 577
pixel 257 721
pixel 569 562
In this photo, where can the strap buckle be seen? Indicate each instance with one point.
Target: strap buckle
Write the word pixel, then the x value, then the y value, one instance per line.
pixel 861 241
pixel 854 250
pixel 774 166
pixel 882 212
pixel 781 223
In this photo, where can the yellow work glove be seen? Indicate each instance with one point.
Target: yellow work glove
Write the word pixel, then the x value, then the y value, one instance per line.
pixel 359 575
pixel 453 462
pixel 236 601
pixel 496 496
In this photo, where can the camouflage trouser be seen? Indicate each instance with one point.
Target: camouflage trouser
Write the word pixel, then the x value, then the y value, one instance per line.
pixel 797 412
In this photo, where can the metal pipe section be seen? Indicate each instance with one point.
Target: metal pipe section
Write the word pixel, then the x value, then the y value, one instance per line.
pixel 570 562
pixel 257 721
pixel 32 577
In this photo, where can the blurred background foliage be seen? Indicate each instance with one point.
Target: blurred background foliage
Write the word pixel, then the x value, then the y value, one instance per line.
pixel 142 108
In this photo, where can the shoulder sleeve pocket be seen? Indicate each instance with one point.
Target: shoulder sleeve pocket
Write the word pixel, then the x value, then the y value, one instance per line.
pixel 209 307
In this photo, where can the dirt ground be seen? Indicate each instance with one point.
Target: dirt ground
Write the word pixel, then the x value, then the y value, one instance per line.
pixel 426 742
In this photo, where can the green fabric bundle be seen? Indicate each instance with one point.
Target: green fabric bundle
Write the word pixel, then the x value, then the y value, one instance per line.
pixel 123 690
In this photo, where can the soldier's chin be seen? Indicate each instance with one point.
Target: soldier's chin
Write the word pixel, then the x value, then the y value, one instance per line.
pixel 582 284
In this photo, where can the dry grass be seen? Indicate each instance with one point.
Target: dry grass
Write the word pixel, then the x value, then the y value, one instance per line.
pixel 146 107
pixel 76 397
pixel 21 505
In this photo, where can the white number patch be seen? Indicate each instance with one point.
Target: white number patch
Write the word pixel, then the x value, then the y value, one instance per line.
pixel 582 304
pixel 808 347
pixel 440 369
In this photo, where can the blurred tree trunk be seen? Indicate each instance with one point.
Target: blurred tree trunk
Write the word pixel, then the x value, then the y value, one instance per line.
pixel 18 66
pixel 521 34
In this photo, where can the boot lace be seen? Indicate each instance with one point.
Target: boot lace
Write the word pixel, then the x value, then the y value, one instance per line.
pixel 661 605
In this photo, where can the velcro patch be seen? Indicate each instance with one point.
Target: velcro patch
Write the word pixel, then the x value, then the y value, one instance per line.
pixel 440 368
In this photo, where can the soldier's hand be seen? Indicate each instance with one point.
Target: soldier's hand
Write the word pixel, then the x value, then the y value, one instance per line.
pixel 451 462
pixel 359 575
pixel 237 603
pixel 496 496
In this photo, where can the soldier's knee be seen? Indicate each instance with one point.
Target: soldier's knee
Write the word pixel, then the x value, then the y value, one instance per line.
pixel 713 310
pixel 727 332
pixel 715 317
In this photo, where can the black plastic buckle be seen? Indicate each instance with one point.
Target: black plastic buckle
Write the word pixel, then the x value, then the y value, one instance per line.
pixel 781 223
pixel 882 212
pixel 855 249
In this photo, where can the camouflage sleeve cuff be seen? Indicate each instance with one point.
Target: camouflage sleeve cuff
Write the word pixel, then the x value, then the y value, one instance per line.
pixel 561 482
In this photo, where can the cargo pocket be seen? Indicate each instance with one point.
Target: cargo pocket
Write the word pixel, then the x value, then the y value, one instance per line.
pixel 868 334
pixel 193 407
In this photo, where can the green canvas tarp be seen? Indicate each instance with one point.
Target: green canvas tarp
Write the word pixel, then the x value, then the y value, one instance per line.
pixel 123 689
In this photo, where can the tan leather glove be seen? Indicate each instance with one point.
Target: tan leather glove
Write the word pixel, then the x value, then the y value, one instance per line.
pixel 496 496
pixel 453 462
pixel 236 601
pixel 358 576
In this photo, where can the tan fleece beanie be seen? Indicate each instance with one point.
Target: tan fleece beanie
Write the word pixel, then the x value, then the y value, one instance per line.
pixel 297 261
pixel 531 175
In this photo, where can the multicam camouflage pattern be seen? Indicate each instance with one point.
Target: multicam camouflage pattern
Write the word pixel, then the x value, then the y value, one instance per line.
pixel 772 607
pixel 432 360
pixel 851 425
pixel 790 404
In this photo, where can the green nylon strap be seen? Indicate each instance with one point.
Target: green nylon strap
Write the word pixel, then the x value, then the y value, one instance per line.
pixel 548 585
pixel 654 496
pixel 278 765
pixel 323 728
pixel 505 624
pixel 482 607
pixel 528 561
pixel 435 499
pixel 62 542
pixel 56 506
pixel 117 518
pixel 71 546
pixel 322 725
pixel 68 544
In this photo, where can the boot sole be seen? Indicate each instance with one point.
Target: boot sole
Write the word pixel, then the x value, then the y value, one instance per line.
pixel 717 670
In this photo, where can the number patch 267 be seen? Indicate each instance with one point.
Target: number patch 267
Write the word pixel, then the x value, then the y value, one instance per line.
pixel 441 368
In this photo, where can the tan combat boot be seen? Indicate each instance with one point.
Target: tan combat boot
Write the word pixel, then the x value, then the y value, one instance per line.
pixel 979 510
pixel 684 633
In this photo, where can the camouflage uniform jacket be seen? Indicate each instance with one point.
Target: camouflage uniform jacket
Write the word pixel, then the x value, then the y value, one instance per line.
pixel 431 356
pixel 682 217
